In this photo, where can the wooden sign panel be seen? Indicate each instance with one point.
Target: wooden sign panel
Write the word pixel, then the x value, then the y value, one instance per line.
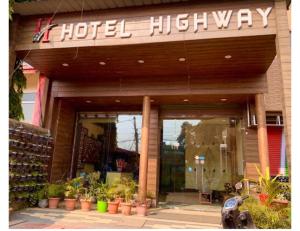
pixel 147 25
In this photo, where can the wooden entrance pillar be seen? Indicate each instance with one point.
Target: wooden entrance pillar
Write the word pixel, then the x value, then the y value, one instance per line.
pixel 262 132
pixel 144 150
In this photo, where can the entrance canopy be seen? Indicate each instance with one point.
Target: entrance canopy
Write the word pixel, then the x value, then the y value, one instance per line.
pixel 242 56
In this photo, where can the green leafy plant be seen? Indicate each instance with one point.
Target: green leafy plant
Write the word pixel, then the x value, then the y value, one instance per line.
pixel 93 179
pixel 55 190
pixel 129 188
pixel 85 194
pixel 102 192
pixel 269 186
pixel 16 86
pixel 73 187
pixel 265 217
pixel 150 195
pixel 43 193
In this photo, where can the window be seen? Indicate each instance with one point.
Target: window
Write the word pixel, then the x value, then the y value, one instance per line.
pixel 28 106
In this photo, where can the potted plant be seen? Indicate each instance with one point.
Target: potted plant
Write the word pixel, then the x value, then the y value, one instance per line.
pixel 269 188
pixel 93 179
pixel 129 187
pixel 72 190
pixel 55 193
pixel 86 200
pixel 43 197
pixel 102 196
pixel 112 204
pixel 141 208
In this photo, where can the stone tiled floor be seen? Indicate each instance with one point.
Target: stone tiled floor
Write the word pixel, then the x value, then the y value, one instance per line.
pixel 171 218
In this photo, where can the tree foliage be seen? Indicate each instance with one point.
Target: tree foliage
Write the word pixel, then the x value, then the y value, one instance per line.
pixel 16 86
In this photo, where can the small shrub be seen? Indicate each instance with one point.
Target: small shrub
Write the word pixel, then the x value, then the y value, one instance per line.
pixel 55 190
pixel 265 217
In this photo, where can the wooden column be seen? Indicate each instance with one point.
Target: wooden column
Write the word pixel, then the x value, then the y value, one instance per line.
pixel 144 150
pixel 283 50
pixel 262 132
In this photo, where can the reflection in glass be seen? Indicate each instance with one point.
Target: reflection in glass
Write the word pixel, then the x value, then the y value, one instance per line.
pixel 109 142
pixel 184 141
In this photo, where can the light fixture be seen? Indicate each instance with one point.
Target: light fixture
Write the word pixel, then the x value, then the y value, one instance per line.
pixel 102 63
pixel 181 59
pixel 141 61
pixel 186 100
pixel 117 101
pixel 223 99
pixel 65 64
pixel 88 101
pixel 227 56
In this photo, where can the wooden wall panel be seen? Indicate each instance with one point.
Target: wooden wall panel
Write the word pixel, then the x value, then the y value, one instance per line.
pixel 283 48
pixel 160 86
pixel 251 157
pixel 64 128
pixel 153 154
pixel 273 99
pixel 138 23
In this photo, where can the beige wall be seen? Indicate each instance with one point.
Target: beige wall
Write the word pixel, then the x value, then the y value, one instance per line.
pixel 32 82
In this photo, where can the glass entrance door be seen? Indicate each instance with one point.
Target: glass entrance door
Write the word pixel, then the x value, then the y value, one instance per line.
pixel 198 154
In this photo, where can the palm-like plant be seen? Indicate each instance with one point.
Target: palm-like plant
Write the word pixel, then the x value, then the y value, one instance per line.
pixel 268 185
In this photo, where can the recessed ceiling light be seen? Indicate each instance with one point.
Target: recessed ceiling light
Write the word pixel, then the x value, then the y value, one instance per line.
pixel 141 61
pixel 186 100
pixel 102 63
pixel 88 101
pixel 223 99
pixel 227 56
pixel 181 59
pixel 117 101
pixel 65 64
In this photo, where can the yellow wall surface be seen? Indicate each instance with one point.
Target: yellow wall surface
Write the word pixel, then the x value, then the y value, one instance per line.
pixel 32 82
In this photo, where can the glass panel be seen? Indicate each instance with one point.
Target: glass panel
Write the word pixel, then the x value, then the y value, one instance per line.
pixel 198 154
pixel 109 142
pixel 28 111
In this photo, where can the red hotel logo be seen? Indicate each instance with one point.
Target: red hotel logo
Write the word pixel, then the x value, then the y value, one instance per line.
pixel 44 32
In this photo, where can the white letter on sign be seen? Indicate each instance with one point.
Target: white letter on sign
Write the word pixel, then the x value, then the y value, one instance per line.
pixel 222 18
pixel 168 24
pixel 95 28
pixel 65 30
pixel 264 15
pixel 154 24
pixel 124 34
pixel 244 15
pixel 78 32
pixel 182 22
pixel 110 28
pixel 202 20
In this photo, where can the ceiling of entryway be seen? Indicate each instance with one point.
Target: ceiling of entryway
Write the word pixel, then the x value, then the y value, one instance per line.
pixel 62 6
pixel 227 56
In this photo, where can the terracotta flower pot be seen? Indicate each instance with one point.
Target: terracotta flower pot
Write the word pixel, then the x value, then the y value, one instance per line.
pixel 113 207
pixel 263 198
pixel 141 210
pixel 70 204
pixel 126 209
pixel 279 204
pixel 53 203
pixel 85 205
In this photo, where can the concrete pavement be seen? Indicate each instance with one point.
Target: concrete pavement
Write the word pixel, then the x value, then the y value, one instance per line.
pixel 170 218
